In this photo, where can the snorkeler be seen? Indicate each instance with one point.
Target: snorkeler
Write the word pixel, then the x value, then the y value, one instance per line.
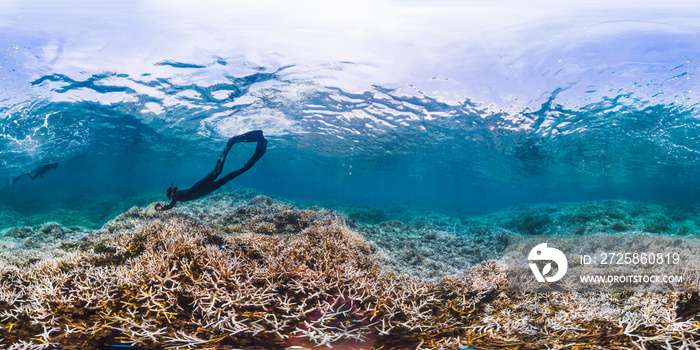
pixel 37 172
pixel 207 185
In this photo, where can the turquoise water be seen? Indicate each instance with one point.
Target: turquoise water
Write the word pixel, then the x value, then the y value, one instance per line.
pixel 415 150
pixel 461 108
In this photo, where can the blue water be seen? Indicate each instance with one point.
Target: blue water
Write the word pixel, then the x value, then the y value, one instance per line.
pixel 445 106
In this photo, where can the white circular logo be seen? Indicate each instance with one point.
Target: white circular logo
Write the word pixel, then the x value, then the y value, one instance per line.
pixel 541 253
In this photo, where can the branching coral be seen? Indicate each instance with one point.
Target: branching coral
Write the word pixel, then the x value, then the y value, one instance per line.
pixel 177 280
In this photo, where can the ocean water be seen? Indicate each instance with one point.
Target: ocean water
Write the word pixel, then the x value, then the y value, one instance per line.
pixel 431 129
pixel 465 108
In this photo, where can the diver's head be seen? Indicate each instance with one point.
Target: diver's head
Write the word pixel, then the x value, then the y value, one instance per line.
pixel 170 192
pixel 54 165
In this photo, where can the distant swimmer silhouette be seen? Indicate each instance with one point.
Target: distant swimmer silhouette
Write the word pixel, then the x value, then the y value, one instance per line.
pixel 207 185
pixel 37 172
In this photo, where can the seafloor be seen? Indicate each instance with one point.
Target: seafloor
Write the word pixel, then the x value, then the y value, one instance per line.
pixel 241 270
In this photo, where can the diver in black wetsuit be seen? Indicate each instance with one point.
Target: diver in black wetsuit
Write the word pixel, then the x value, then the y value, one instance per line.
pixel 207 185
pixel 37 172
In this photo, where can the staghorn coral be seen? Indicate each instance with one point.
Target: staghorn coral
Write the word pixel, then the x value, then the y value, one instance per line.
pixel 430 251
pixel 178 280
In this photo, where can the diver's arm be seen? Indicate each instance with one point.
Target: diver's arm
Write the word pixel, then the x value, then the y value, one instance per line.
pixel 160 207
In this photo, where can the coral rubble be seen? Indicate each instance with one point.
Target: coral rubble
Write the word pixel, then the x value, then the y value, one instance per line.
pixel 239 270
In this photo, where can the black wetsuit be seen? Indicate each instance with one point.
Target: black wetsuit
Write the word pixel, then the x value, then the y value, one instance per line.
pixel 37 172
pixel 207 185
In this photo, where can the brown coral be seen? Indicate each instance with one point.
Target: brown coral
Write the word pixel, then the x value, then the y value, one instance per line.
pixel 172 280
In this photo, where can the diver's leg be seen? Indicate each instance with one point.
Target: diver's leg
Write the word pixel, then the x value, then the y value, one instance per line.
pixel 251 136
pixel 219 167
pixel 206 181
pixel 17 178
pixel 230 176
pixel 259 151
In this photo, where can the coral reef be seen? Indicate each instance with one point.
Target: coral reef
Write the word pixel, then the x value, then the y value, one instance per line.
pixel 681 253
pixel 429 251
pixel 609 217
pixel 87 212
pixel 237 270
